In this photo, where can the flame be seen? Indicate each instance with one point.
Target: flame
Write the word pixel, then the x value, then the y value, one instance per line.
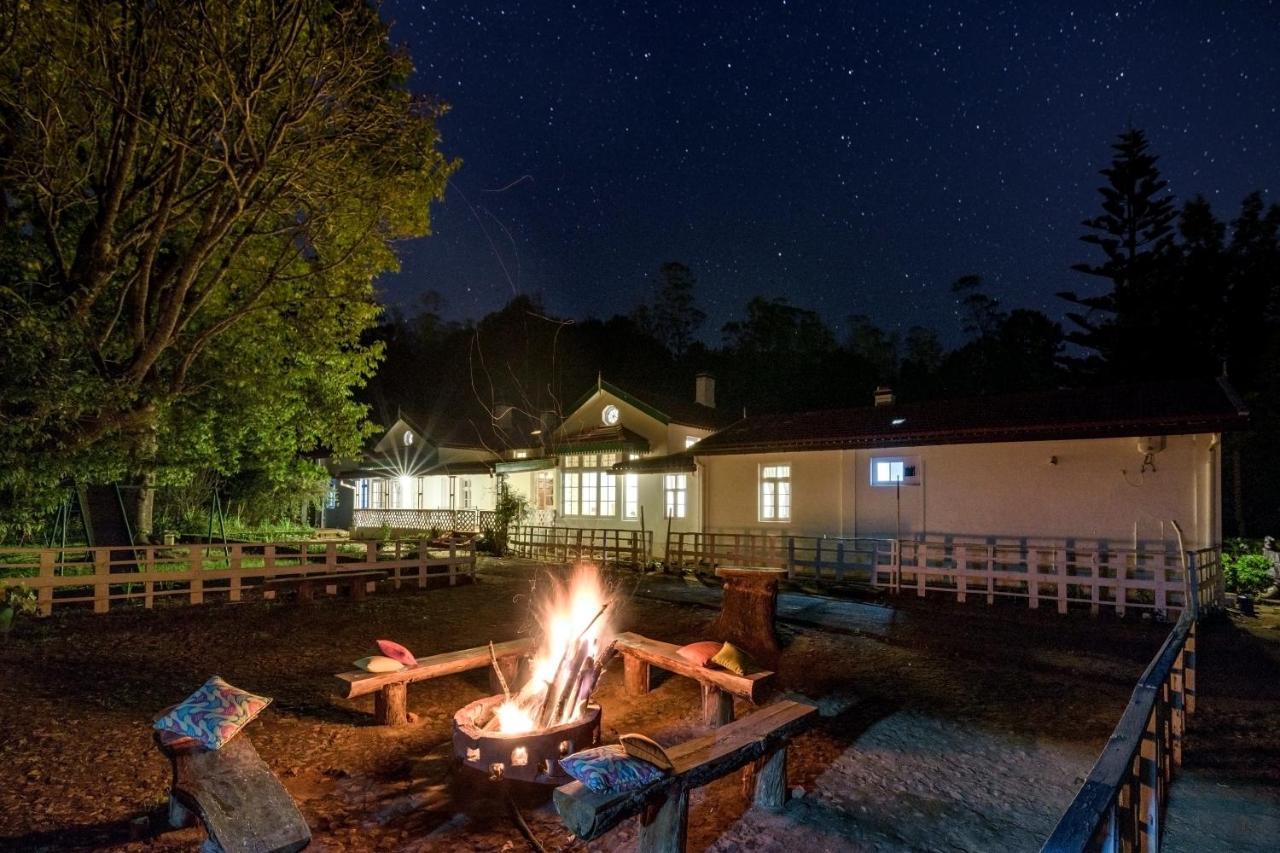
pixel 564 614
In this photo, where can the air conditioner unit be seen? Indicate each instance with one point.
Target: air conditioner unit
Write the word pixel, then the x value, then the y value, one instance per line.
pixel 1151 444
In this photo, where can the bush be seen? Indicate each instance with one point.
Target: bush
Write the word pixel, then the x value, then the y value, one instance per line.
pixel 1247 573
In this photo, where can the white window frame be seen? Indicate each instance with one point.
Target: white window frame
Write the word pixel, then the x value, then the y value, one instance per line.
pixel 630 497
pixel 774 493
pixel 590 491
pixel 675 495
pixel 898 468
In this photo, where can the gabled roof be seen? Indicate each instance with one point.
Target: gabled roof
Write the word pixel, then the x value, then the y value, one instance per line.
pixel 1166 408
pixel 668 410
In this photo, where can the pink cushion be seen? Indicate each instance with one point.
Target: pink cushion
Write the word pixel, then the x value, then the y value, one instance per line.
pixel 395 651
pixel 699 653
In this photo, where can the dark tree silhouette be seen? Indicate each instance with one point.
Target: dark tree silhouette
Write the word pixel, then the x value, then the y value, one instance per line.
pixel 672 316
pixel 1135 234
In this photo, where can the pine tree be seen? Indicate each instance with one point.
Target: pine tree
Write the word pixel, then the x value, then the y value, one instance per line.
pixel 1135 233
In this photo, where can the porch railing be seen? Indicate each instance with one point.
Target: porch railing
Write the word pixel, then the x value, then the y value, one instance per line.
pixel 1060 574
pixel 565 544
pixel 400 521
pixel 104 578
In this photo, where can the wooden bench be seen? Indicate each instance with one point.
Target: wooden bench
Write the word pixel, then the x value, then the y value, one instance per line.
pixel 305 585
pixel 757 744
pixel 392 687
pixel 719 686
pixel 240 802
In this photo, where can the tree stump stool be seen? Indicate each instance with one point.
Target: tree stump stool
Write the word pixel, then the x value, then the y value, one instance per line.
pixel 748 611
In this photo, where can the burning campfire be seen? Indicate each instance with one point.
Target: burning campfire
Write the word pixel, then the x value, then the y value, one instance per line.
pixel 521 733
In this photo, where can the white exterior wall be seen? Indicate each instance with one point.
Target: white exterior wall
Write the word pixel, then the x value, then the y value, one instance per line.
pixel 1006 489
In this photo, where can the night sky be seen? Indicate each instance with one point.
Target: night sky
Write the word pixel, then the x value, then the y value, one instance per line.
pixel 855 157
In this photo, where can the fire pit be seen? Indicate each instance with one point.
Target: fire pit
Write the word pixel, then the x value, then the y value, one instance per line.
pixel 521 756
pixel 522 733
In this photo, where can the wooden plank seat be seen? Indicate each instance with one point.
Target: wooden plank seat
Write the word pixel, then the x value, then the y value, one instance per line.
pixel 454 539
pixel 240 802
pixel 392 687
pixel 306 585
pixel 719 686
pixel 756 744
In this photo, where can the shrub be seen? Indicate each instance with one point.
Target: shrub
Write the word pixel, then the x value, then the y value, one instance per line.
pixel 15 601
pixel 1247 573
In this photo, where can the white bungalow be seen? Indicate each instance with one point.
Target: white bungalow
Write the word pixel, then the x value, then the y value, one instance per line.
pixel 418 478
pixel 579 484
pixel 1114 465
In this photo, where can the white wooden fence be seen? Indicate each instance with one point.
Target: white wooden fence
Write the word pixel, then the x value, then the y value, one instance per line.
pixel 1060 574
pixel 105 577
pixel 400 521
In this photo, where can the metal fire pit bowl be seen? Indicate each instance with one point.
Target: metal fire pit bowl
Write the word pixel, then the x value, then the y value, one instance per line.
pixel 527 757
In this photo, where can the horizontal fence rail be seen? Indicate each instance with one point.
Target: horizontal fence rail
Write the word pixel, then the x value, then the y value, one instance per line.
pixel 423 520
pixel 1121 806
pixel 565 544
pixel 104 577
pixel 1059 574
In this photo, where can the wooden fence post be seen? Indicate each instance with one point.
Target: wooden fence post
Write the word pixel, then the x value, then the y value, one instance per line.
pixel 1033 578
pixel 1189 671
pixel 101 579
pixel 960 562
pixel 196 586
pixel 44 595
pixel 235 563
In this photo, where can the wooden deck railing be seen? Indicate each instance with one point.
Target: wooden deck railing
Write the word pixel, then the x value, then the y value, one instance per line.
pixel 1121 806
pixel 105 577
pixel 422 520
pixel 564 544
pixel 1060 574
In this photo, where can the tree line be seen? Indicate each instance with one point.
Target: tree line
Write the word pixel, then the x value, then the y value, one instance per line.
pixel 1178 293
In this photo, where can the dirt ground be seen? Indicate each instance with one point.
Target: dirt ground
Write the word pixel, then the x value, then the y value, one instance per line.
pixel 962 728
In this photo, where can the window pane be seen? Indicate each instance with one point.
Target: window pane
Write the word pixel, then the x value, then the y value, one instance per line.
pixel 631 496
pixel 571 494
pixel 589 493
pixel 608 495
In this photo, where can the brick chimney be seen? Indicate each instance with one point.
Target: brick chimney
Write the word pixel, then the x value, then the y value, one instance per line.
pixel 704 390
pixel 884 395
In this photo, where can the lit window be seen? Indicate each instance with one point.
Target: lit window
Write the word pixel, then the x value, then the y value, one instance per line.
pixel 894 470
pixel 676 494
pixel 544 490
pixel 775 492
pixel 466 493
pixel 631 496
pixel 362 494
pixel 593 491
pixel 571 490
pixel 521 454
pixel 608 495
pixel 690 441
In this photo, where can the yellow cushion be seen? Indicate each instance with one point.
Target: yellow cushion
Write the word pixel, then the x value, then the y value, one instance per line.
pixel 646 749
pixel 379 663
pixel 734 659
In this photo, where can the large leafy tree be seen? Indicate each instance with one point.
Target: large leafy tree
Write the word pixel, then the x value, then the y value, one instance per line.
pixel 197 197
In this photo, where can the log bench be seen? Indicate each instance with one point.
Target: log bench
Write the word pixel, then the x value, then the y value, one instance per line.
pixel 719 686
pixel 392 687
pixel 234 794
pixel 756 744
pixel 305 585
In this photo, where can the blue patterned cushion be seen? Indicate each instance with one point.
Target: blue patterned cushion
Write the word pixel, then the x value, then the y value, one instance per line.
pixel 608 769
pixel 214 714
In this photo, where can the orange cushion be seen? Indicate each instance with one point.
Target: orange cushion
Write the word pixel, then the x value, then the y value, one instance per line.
pixel 699 653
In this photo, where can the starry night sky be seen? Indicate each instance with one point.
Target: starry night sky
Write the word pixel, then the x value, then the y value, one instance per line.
pixel 855 157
